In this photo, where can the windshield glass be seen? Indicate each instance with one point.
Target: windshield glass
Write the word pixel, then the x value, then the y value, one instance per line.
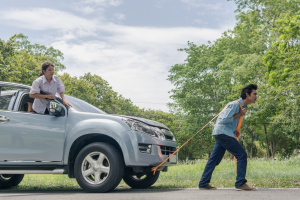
pixel 83 106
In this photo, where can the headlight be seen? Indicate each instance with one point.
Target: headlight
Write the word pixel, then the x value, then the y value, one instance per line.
pixel 158 132
pixel 144 128
pixel 168 134
pixel 140 127
pixel 149 130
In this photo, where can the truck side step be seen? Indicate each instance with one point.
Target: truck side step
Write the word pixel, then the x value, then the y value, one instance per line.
pixel 55 171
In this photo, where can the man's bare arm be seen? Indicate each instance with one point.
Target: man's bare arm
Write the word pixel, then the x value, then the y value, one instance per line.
pixel 240 114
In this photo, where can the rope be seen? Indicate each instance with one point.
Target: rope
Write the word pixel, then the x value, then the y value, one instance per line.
pixel 238 129
pixel 155 168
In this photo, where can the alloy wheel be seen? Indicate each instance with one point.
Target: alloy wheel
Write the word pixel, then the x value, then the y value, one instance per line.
pixel 95 168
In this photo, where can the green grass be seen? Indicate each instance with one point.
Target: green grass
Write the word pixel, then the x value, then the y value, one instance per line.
pixel 260 172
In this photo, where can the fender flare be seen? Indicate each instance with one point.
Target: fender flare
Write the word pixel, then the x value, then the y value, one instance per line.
pixel 106 127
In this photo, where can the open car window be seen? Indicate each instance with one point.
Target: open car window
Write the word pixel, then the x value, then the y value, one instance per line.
pixel 26 103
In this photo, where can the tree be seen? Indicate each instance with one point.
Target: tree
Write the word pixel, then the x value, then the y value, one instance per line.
pixel 20 61
pixel 214 74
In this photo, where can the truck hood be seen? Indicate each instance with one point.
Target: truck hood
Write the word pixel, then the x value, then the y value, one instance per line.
pixel 146 121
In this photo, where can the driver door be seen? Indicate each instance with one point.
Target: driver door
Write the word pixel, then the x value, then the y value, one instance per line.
pixel 26 136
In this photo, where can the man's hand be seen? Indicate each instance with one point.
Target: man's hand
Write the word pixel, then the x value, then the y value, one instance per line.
pixel 242 112
pixel 237 134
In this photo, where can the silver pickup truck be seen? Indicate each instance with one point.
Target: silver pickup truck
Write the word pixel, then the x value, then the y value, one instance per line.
pixel 96 148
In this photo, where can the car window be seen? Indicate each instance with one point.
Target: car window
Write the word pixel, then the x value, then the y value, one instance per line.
pixel 26 103
pixel 6 96
pixel 4 101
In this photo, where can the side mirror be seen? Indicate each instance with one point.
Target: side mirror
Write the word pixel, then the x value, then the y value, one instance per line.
pixel 56 109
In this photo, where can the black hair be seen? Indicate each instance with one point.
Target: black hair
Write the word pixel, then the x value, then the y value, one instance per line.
pixel 45 65
pixel 247 90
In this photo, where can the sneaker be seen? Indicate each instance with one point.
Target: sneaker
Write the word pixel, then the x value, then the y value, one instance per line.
pixel 208 187
pixel 245 187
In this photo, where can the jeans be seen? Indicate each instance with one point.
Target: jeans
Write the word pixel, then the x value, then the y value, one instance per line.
pixel 223 143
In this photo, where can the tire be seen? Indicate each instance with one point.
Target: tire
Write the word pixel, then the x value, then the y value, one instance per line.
pixel 99 167
pixel 10 180
pixel 141 181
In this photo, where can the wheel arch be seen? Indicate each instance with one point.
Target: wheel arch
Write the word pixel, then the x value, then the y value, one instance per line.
pixel 85 140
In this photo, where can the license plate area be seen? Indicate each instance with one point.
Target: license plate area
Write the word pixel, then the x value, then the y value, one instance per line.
pixel 173 159
pixel 167 151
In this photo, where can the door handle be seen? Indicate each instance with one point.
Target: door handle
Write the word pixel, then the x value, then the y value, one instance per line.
pixel 4 119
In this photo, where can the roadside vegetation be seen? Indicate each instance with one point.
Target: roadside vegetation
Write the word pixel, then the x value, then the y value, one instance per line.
pixel 260 172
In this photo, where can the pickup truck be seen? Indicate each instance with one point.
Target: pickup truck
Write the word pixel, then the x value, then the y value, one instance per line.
pixel 96 148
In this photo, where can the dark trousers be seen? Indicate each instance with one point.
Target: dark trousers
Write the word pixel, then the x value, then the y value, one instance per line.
pixel 223 143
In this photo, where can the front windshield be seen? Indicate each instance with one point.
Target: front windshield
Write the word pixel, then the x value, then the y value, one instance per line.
pixel 83 106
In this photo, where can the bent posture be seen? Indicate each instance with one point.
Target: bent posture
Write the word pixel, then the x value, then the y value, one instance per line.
pixel 48 84
pixel 224 132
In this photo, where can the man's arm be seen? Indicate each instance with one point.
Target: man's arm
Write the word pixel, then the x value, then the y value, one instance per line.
pixel 240 114
pixel 230 114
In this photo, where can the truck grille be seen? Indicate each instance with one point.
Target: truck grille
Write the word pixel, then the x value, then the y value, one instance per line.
pixel 165 150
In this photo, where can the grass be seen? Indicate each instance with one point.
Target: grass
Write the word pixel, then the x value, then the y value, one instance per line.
pixel 260 172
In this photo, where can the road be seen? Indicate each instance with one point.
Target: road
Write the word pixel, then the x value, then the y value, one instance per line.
pixel 151 194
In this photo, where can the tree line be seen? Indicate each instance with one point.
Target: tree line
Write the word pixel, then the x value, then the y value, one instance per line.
pixel 263 48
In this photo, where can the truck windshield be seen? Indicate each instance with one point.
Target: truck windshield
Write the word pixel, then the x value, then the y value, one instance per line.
pixel 83 106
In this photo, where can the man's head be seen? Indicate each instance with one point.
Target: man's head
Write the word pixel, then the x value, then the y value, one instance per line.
pixel 249 93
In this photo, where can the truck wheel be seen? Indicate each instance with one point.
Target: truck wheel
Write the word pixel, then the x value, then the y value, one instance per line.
pixel 10 180
pixel 141 181
pixel 99 167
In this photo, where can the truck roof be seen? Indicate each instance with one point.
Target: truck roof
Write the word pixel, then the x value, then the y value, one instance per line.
pixel 10 85
pixel 14 85
pixel 8 92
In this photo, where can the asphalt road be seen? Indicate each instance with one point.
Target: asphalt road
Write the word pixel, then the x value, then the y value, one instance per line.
pixel 163 194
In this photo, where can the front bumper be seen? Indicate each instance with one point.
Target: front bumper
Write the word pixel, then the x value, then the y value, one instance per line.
pixel 161 149
pixel 157 156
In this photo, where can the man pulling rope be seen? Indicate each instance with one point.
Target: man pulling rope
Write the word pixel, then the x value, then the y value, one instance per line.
pixel 227 128
pixel 225 131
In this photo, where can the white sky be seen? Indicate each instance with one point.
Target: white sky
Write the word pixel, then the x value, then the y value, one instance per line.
pixel 130 43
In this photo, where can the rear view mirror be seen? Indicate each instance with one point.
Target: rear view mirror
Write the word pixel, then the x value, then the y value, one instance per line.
pixel 56 109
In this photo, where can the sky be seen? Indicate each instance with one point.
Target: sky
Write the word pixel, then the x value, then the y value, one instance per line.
pixel 132 44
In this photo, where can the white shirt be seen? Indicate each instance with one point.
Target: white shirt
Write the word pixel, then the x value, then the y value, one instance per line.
pixel 41 84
